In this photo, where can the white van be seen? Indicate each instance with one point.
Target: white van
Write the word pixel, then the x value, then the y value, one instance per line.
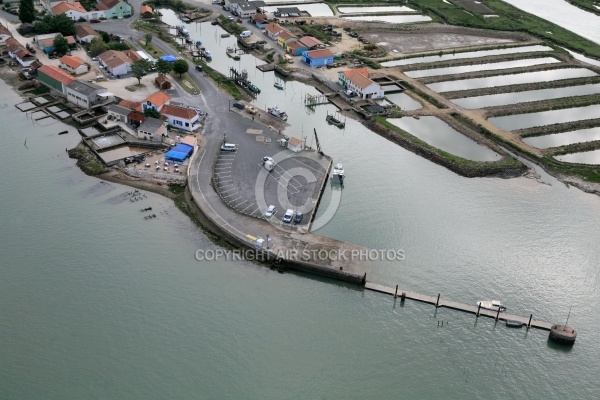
pixel 245 34
pixel 229 147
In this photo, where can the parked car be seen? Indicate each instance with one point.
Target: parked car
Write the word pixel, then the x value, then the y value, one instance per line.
pixel 239 105
pixel 229 147
pixel 298 218
pixel 94 21
pixel 270 211
pixel 287 218
pixel 230 18
pixel 199 68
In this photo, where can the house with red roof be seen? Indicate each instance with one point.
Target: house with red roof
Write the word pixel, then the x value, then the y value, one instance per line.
pixel 358 81
pixel 184 118
pixel 155 101
pixel 117 62
pixel 146 11
pixel 115 8
pixel 73 64
pixel 273 30
pixel 19 52
pixel 317 58
pixel 55 78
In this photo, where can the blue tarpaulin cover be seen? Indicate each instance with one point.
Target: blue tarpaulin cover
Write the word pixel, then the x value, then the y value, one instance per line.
pixel 179 152
pixel 168 58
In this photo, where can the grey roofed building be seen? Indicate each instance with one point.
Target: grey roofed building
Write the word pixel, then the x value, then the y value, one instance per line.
pixel 85 88
pixel 118 113
pixel 288 10
pixel 151 124
pixel 257 4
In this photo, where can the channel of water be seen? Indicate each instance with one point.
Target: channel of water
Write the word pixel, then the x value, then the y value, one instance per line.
pixel 461 69
pixel 513 79
pixel 467 54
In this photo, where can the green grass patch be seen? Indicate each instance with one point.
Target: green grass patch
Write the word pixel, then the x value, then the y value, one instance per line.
pixel 231 26
pixel 221 80
pixel 186 83
pixel 133 88
pixel 151 49
pixel 509 19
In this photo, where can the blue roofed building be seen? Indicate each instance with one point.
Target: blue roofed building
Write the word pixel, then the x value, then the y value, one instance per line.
pixel 317 58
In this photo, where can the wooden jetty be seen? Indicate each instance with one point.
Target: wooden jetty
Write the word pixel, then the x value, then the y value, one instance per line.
pixel 439 302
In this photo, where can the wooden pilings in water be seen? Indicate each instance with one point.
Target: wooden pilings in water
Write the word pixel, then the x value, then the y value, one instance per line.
pixel 439 302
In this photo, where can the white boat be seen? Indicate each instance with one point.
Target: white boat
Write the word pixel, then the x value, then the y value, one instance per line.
pixel 338 174
pixel 183 30
pixel 278 85
pixel 277 113
pixel 207 54
pixel 492 305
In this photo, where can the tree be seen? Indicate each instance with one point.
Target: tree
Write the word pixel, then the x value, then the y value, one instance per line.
pixel 26 11
pixel 105 36
pixel 180 67
pixel 61 46
pixel 163 67
pixel 148 38
pixel 55 24
pixel 139 69
pixel 97 46
pixel 151 112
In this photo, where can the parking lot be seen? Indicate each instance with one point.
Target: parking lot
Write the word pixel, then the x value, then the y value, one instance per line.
pixel 247 186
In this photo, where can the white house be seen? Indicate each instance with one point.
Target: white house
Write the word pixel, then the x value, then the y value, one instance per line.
pixel 74 65
pixel 358 81
pixel 118 113
pixel 85 94
pixel 294 144
pixel 152 129
pixel 181 117
pixel 85 33
pixel 273 30
pixel 116 62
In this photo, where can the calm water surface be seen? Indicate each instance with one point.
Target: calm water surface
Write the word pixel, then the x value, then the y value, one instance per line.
pixel 367 10
pixel 438 134
pixel 586 157
pixel 392 19
pixel 528 95
pixel 520 121
pixel 564 138
pixel 314 9
pixel 468 54
pixel 404 101
pixel 514 79
pixel 99 303
pixel 461 69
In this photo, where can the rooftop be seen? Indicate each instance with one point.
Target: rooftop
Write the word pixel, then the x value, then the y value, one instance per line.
pixel 319 53
pixel 85 30
pixel 72 61
pixel 151 125
pixel 64 6
pixel 181 112
pixel 85 88
pixel 56 74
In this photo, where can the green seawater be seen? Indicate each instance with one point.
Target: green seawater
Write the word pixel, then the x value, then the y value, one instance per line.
pixel 98 303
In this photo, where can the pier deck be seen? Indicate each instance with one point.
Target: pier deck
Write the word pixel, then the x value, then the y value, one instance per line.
pixel 456 306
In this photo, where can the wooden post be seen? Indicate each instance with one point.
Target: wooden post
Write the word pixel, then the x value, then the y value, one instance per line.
pixel 478 308
pixel 403 296
pixel 396 293
pixel 438 301
pixel 529 323
pixel 498 314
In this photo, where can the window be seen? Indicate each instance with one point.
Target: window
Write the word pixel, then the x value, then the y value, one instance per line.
pixel 187 124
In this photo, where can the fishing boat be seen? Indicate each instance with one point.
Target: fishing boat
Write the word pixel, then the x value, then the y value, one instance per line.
pixel 189 40
pixel 225 35
pixel 278 85
pixel 334 121
pixel 207 54
pixel 277 113
pixel 338 174
pixel 492 305
pixel 511 323
pixel 250 109
pixel 214 23
pixel 183 30
pixel 198 43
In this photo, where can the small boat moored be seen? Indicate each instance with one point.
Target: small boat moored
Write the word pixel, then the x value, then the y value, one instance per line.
pixel 338 174
pixel 335 121
pixel 278 85
pixel 514 324
pixel 277 113
pixel 492 305
pixel 225 35
pixel 63 132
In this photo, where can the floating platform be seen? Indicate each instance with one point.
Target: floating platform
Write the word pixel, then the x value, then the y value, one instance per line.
pixel 439 302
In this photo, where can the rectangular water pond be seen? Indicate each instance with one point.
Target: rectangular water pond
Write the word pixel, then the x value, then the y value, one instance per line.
pixel 437 133
pixel 314 9
pixel 404 101
pixel 108 140
pixel 461 69
pixel 514 79
pixel 368 10
pixel 522 121
pixel 392 19
pixel 586 157
pixel 564 138
pixel 89 131
pixel 468 54
pixel 502 99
